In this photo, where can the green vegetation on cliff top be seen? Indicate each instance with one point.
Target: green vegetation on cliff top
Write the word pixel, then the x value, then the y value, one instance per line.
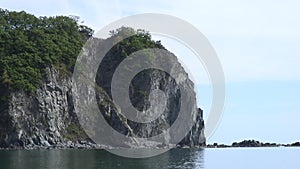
pixel 29 44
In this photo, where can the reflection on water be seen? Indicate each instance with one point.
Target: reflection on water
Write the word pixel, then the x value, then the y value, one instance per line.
pixel 228 158
pixel 95 159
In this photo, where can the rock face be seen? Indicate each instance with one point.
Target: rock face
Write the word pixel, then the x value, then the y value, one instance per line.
pixel 45 119
pixel 48 118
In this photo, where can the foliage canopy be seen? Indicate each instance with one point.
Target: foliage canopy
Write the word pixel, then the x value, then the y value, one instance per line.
pixel 29 44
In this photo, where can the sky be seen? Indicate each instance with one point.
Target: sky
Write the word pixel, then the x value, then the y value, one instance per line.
pixel 256 41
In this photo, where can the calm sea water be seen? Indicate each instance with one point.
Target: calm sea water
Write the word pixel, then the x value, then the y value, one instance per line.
pixel 230 158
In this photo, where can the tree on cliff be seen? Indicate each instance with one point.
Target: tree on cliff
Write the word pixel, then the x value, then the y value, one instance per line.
pixel 29 44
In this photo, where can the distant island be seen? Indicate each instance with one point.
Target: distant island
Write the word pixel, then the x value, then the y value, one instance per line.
pixel 252 143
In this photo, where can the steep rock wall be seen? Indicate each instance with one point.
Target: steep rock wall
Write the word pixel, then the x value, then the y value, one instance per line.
pixel 48 118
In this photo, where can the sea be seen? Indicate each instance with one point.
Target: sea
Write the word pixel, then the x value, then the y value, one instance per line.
pixel 209 158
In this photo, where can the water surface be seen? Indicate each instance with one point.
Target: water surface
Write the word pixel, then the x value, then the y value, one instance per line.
pixel 229 158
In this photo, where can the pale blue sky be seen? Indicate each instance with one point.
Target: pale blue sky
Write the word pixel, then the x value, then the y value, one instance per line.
pixel 258 45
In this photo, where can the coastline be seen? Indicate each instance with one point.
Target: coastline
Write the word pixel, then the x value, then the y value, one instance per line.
pixel 92 146
pixel 252 143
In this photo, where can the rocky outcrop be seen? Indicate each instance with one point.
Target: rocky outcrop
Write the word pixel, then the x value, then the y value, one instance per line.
pixel 48 118
pixel 44 119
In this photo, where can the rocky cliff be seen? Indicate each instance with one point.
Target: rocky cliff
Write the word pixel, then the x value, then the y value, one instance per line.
pixel 49 118
pixel 41 120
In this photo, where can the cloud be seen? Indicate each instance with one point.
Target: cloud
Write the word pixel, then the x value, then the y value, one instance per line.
pixel 97 13
pixel 94 13
pixel 40 8
pixel 255 40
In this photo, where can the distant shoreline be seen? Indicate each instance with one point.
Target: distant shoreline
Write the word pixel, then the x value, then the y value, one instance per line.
pixel 251 143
